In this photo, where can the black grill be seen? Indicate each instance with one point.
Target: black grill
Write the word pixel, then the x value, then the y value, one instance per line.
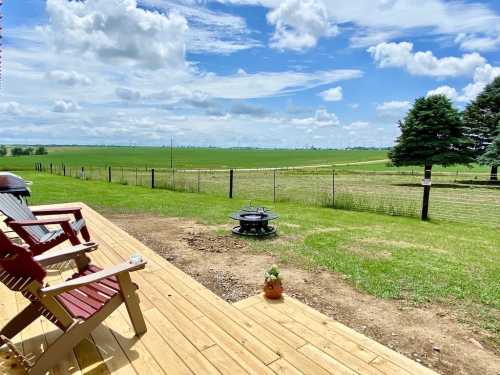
pixel 14 184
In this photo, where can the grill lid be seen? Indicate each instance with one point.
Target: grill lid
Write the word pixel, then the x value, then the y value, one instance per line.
pixel 12 183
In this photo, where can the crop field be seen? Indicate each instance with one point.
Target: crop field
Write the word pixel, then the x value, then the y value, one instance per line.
pixel 190 158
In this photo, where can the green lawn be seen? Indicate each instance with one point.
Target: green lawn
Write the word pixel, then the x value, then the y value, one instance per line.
pixel 192 158
pixel 389 257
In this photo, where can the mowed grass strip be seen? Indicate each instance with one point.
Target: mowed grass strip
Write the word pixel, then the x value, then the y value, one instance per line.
pixel 389 257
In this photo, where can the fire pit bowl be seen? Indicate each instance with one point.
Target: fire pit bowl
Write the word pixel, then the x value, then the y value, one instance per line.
pixel 254 221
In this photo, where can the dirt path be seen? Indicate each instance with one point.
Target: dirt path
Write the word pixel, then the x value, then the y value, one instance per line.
pixel 431 335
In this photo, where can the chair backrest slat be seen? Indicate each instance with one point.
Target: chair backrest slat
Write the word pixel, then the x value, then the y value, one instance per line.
pixel 17 211
pixel 17 266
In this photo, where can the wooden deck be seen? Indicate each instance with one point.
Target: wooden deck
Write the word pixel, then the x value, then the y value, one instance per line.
pixel 193 331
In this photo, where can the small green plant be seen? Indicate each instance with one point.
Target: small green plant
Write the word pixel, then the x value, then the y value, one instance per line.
pixel 273 274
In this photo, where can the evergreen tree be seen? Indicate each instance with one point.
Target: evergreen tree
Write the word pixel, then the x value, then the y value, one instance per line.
pixel 3 150
pixel 481 118
pixel 432 133
pixel 491 156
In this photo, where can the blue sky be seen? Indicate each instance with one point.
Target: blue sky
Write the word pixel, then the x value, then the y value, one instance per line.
pixel 267 73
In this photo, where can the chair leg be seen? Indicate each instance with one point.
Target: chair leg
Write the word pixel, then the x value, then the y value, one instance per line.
pixel 21 321
pixel 71 337
pixel 129 293
pixel 85 233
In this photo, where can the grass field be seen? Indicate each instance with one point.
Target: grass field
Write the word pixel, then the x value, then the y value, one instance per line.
pixel 389 257
pixel 189 158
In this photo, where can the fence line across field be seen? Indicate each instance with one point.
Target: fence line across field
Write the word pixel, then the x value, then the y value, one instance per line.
pixel 453 196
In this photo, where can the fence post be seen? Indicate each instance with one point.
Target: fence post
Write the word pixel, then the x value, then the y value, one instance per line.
pixel 333 188
pixel 64 170
pixel 231 177
pixel 427 190
pixel 152 178
pixel 50 168
pixel 109 174
pixel 173 178
pixel 199 182
pixel 274 185
pixel 135 176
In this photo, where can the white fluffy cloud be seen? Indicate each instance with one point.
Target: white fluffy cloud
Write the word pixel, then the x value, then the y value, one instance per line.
pixel 322 118
pixel 118 31
pixel 382 20
pixel 393 108
pixel 483 75
pixel 65 106
pixel 332 95
pixel 211 32
pixel 401 55
pixel 70 78
pixel 299 24
pixel 445 90
pixel 11 108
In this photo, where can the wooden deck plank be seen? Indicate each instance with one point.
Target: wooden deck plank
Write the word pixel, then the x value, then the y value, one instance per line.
pixel 224 363
pixel 282 367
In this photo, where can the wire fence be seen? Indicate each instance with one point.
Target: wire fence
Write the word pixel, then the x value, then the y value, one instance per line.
pixel 464 197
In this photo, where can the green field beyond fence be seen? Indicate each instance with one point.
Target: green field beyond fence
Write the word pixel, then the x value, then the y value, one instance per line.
pixel 458 196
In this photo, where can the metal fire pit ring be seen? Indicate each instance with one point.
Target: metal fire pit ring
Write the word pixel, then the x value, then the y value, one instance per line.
pixel 254 222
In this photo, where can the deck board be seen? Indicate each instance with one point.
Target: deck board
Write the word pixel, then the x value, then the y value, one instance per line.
pixel 193 331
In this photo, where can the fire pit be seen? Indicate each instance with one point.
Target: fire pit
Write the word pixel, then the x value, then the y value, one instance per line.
pixel 254 221
pixel 13 184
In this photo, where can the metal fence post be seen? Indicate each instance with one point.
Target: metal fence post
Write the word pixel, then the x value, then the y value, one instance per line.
pixel 274 186
pixel 152 178
pixel 427 190
pixel 109 174
pixel 199 181
pixel 50 168
pixel 64 170
pixel 333 188
pixel 135 176
pixel 173 179
pixel 231 177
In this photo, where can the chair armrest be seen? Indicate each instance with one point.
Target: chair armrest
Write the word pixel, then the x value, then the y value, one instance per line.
pixel 65 254
pixel 30 223
pixel 55 211
pixel 92 278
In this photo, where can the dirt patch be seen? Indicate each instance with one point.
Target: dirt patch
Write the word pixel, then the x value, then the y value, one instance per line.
pixel 433 335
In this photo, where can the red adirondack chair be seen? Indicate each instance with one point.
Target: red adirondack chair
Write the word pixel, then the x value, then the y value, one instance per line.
pixel 34 231
pixel 76 306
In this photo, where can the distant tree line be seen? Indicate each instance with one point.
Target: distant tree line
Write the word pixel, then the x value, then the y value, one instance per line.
pixel 434 132
pixel 23 151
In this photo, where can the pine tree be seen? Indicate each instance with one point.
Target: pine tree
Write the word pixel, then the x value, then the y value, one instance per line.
pixel 481 118
pixel 491 156
pixel 432 133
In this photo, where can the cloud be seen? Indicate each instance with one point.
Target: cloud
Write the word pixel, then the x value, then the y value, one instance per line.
pixel 65 106
pixel 447 91
pixel 267 84
pixel 474 42
pixel 382 20
pixel 210 31
pixel 11 108
pixel 127 94
pixel 249 110
pixel 70 78
pixel 118 31
pixel 424 63
pixel 332 95
pixel 483 76
pixel 393 108
pixel 299 24
pixel 322 118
